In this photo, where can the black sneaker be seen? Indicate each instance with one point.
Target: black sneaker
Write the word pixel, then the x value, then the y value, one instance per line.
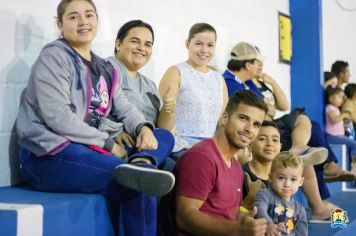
pixel 144 177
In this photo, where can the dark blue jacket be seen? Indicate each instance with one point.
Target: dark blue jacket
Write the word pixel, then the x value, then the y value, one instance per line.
pixel 234 86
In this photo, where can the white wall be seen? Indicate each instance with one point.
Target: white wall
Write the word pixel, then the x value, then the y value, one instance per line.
pixel 339 34
pixel 26 25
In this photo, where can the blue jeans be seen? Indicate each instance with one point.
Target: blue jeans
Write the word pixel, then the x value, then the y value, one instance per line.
pixel 341 139
pixel 80 169
pixel 318 139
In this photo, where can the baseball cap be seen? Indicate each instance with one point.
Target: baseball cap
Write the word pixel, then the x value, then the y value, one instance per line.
pixel 245 51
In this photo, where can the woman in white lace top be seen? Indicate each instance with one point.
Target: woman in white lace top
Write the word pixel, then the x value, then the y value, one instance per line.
pixel 198 91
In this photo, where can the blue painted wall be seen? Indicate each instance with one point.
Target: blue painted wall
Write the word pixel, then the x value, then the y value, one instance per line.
pixel 306 64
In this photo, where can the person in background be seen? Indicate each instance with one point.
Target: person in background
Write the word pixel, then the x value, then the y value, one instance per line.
pixel 329 79
pixel 350 105
pixel 294 127
pixel 327 171
pixel 70 94
pixel 342 72
pixel 198 91
pixel 334 127
pixel 244 65
pixel 285 216
pixel 330 169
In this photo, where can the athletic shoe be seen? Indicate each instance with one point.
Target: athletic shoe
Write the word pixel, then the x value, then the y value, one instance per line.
pixel 314 156
pixel 144 177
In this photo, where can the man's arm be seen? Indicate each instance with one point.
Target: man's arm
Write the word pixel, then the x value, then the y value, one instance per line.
pixel 190 219
pixel 349 107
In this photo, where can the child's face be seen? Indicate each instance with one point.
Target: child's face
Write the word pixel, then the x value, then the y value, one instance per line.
pixel 267 144
pixel 286 181
pixel 337 99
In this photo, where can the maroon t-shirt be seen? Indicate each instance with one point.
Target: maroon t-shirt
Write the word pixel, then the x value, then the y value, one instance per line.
pixel 201 173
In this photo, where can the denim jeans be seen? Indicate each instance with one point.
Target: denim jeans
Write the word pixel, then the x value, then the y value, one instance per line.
pixel 341 139
pixel 318 139
pixel 80 169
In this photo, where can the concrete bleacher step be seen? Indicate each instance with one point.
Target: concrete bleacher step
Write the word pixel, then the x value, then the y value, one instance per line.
pixel 350 230
pixel 24 212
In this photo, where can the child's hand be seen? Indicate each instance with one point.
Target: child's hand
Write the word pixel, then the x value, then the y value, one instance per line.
pixel 275 229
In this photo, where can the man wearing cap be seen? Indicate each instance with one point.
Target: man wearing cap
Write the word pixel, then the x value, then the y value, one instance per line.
pixel 242 68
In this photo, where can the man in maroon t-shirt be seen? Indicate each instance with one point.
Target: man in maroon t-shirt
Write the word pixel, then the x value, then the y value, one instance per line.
pixel 209 179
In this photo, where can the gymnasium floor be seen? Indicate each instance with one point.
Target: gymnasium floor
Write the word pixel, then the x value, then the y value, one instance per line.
pixel 347 201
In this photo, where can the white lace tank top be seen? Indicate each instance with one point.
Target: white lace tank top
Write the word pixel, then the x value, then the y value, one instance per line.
pixel 199 103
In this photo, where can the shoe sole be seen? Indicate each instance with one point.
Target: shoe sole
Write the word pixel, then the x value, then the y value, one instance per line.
pixel 341 178
pixel 146 180
pixel 327 221
pixel 315 157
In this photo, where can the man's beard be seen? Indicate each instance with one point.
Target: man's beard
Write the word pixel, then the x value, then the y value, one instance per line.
pixel 232 142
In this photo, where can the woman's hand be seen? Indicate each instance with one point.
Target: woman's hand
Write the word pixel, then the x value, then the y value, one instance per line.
pixel 119 151
pixel 169 99
pixel 146 140
pixel 124 138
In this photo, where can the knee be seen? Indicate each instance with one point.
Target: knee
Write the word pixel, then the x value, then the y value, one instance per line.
pixel 304 121
pixel 308 173
pixel 163 135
